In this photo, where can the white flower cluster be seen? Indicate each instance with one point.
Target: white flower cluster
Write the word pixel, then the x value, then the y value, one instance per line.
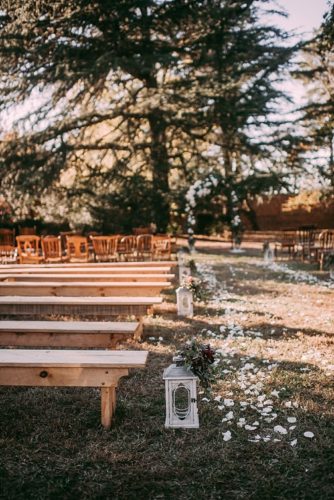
pixel 199 189
pixel 236 220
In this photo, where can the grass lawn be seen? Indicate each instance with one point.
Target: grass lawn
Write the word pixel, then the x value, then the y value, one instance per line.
pixel 266 428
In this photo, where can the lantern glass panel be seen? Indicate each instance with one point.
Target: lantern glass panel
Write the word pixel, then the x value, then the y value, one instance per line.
pixel 181 401
pixel 185 301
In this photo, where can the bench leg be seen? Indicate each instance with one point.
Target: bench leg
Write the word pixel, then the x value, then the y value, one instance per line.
pixel 108 404
pixel 139 332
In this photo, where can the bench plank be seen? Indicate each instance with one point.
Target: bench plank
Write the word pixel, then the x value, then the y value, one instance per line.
pixel 36 277
pixel 105 306
pixel 78 270
pixel 71 358
pixel 80 289
pixel 82 334
pixel 97 265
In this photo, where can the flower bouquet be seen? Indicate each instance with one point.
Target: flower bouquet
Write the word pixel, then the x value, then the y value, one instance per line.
pixel 197 287
pixel 199 358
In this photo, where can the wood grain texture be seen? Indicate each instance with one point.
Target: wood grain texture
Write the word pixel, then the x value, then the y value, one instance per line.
pixel 107 277
pixel 72 358
pixel 71 368
pixel 83 289
pixel 19 269
pixel 84 306
pixel 81 334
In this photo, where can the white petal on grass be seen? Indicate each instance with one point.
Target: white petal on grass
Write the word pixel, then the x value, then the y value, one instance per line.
pixel 228 402
pixel 288 404
pixel 227 435
pixel 250 427
pixel 293 443
pixel 275 393
pixel 280 429
pixel 292 420
pixel 309 434
pixel 292 427
pixel 217 398
pixel 206 400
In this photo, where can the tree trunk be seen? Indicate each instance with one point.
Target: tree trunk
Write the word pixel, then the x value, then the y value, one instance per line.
pixel 251 215
pixel 331 159
pixel 160 170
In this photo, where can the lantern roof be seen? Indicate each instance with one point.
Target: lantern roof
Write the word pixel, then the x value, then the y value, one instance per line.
pixel 178 372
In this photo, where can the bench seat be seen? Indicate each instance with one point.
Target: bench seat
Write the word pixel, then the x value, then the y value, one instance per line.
pixel 84 334
pixel 97 265
pixel 96 306
pixel 32 270
pixel 87 277
pixel 83 289
pixel 71 368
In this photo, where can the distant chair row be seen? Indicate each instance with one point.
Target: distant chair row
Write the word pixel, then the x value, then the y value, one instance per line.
pixel 307 244
pixel 32 249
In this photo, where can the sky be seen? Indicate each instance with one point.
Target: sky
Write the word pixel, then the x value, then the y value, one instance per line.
pixel 304 15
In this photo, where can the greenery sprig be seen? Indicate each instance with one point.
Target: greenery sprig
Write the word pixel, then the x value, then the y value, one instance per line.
pixel 199 358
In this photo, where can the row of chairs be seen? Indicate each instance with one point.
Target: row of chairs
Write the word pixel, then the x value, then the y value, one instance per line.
pixel 307 244
pixel 32 249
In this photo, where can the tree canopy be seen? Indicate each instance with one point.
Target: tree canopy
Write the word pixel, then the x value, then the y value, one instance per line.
pixel 136 99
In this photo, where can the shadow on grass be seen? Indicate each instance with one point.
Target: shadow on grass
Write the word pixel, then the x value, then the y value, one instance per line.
pixel 52 445
pixel 282 332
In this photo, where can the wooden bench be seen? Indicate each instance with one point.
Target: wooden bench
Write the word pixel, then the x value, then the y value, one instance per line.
pixel 83 306
pixel 86 334
pixel 96 265
pixel 87 277
pixel 83 289
pixel 79 270
pixel 71 368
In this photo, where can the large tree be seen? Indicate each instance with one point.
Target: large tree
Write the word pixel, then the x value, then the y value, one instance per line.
pixel 315 144
pixel 137 90
pixel 238 64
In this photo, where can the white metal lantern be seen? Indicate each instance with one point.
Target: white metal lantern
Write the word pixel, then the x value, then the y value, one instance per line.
pixel 268 256
pixel 181 397
pixel 184 301
pixel 184 272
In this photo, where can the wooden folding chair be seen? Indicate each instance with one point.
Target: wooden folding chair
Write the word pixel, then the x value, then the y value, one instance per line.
pixel 162 247
pixel 52 250
pixel 305 242
pixel 77 248
pixel 127 247
pixel 29 251
pixel 105 248
pixel 145 247
pixel 326 246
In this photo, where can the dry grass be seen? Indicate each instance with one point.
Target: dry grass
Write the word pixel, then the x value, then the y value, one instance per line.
pixel 53 447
